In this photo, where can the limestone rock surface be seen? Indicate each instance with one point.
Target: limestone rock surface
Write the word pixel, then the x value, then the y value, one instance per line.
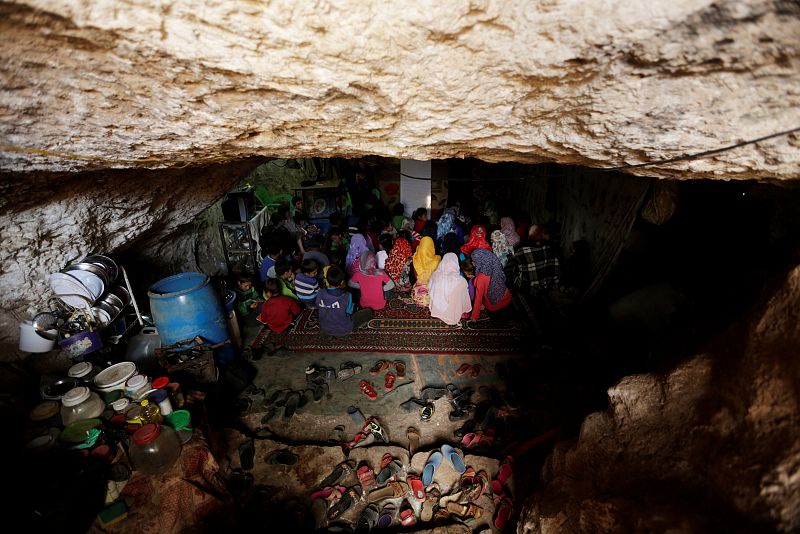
pixel 603 84
pixel 713 446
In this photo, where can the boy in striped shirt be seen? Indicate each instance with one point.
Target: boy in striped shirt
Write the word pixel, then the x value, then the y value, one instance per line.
pixel 306 285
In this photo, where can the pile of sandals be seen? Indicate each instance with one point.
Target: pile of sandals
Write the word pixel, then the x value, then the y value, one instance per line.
pixel 389 495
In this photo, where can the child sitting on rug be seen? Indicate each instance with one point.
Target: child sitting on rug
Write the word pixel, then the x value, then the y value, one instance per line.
pixel 285 277
pixel 305 282
pixel 335 306
pixel 373 283
pixel 278 311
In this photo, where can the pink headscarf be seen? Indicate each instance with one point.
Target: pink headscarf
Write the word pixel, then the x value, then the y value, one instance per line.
pixel 509 230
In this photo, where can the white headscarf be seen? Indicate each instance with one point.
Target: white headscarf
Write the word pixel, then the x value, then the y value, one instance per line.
pixel 448 291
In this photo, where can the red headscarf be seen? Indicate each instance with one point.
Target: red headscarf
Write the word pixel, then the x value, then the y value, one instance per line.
pixel 477 240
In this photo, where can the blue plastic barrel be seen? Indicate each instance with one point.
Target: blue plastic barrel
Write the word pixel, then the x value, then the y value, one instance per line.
pixel 186 305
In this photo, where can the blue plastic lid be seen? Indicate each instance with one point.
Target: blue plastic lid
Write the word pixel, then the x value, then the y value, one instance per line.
pixel 157 396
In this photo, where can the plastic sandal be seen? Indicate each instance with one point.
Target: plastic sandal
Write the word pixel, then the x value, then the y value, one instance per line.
pixel 417 488
pixel 389 381
pixel 503 514
pixel 476 370
pixel 321 494
pixel 400 367
pixel 454 458
pixel 373 426
pixel 338 473
pixel 349 498
pixel 413 440
pixel 389 471
pixel 348 369
pixel 467 439
pixel 431 501
pixel 392 490
pixel 506 470
pixel 368 390
pixel 463 369
pixel 379 367
pixel 366 477
pixel 387 515
pixel 433 463
pixel 480 483
pixel 407 517
pixel 426 412
pixel 368 519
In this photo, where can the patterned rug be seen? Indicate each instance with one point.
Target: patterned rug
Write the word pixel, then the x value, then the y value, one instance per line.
pixel 402 327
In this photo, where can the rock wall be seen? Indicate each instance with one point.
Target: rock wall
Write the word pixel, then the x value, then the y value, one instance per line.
pixel 50 220
pixel 600 84
pixel 714 446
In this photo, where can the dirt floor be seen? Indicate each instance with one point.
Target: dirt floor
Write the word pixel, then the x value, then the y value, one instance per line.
pixel 321 433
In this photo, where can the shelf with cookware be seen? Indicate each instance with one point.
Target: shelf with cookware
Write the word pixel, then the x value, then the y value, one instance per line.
pixel 90 299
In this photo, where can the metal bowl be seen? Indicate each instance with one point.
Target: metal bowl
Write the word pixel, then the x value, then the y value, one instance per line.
pixel 107 263
pixel 56 390
pixel 100 272
pixel 122 293
pixel 110 309
pixel 113 300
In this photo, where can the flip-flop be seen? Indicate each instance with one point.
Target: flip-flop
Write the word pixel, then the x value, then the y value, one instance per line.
pixel 337 435
pixel 407 517
pixel 387 515
pixel 366 477
pixel 413 440
pixel 356 415
pixel 247 453
pixel 388 383
pixel 348 369
pixel 392 490
pixel 283 456
pixel 506 470
pixel 432 393
pixel 368 519
pixel 338 473
pixel 476 370
pixel 431 502
pixel 503 513
pixel 463 369
pixel 400 367
pixel 324 493
pixel 388 472
pixel 349 498
pixel 379 367
pixel 454 458
pixel 417 488
pixel 320 390
pixel 292 401
pixel 433 463
pixel 368 390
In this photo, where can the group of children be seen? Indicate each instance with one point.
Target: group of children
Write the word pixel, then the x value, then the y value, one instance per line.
pixel 349 271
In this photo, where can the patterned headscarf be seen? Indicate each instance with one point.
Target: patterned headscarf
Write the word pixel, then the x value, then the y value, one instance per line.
pixel 487 263
pixel 445 224
pixel 509 230
pixel 357 247
pixel 477 240
pixel 398 257
pixel 425 260
pixel 368 264
pixel 500 247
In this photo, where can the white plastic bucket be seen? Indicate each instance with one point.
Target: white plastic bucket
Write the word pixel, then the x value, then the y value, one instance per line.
pixel 30 341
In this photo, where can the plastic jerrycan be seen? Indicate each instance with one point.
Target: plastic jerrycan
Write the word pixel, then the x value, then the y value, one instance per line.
pixel 142 348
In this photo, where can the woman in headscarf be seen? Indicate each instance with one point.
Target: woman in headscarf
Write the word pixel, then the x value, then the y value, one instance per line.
pixel 398 265
pixel 370 280
pixel 490 283
pixel 477 240
pixel 357 247
pixel 425 263
pixel 450 244
pixel 500 247
pixel 447 226
pixel 509 230
pixel 448 291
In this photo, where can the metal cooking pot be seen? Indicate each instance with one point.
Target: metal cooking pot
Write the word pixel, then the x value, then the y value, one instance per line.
pixel 109 265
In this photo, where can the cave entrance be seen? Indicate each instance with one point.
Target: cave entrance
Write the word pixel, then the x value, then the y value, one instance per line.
pixel 609 275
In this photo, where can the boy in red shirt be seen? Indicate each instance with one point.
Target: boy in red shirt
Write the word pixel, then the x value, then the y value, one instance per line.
pixel 278 311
